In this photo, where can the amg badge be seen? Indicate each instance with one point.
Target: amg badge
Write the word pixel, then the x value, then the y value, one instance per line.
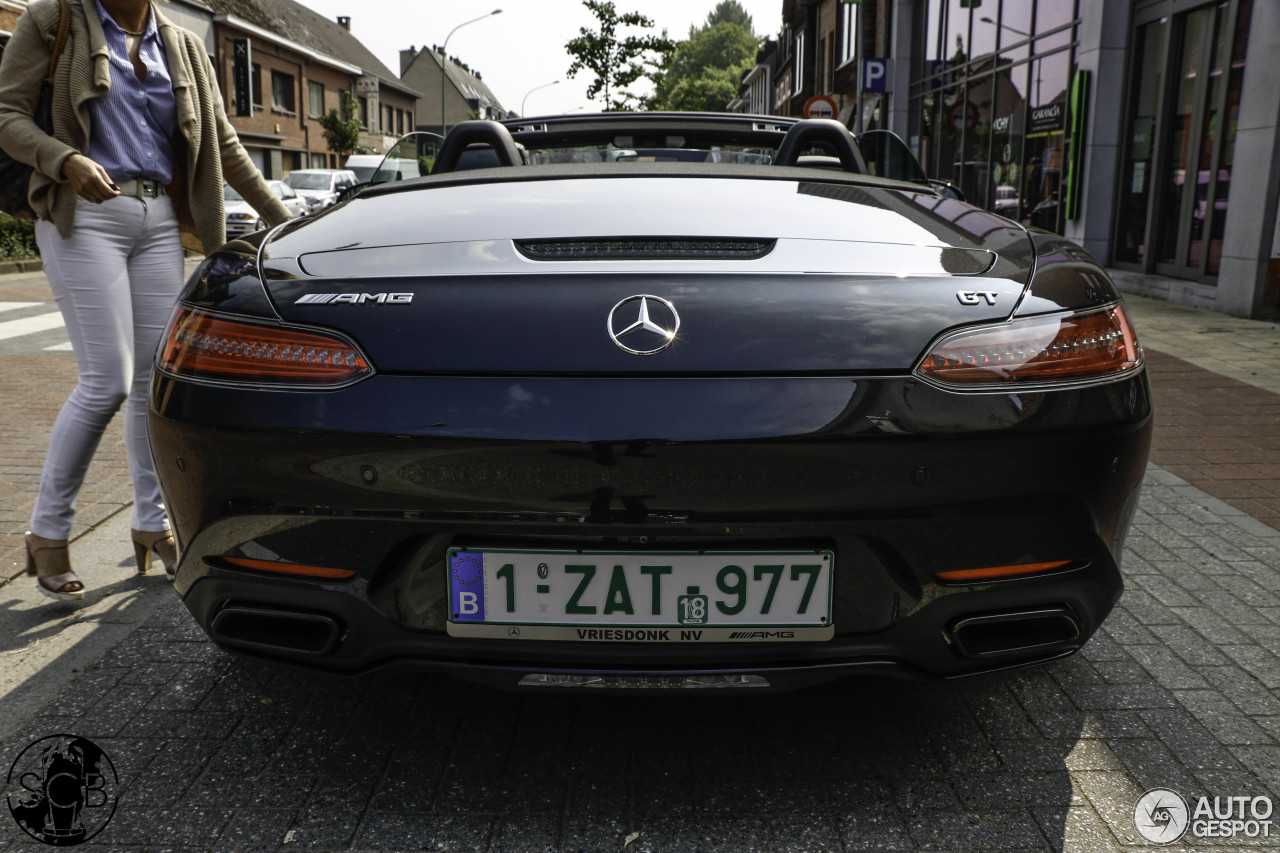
pixel 353 298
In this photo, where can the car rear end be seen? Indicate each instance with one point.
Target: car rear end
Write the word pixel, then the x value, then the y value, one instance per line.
pixel 780 431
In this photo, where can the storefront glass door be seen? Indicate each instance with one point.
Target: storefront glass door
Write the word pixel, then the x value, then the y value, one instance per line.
pixel 1176 174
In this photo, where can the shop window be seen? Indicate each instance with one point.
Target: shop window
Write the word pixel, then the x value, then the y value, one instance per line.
pixel 1008 133
pixel 984 35
pixel 1051 14
pixel 1212 188
pixel 256 85
pixel 956 47
pixel 1015 28
pixel 1041 191
pixel 1137 169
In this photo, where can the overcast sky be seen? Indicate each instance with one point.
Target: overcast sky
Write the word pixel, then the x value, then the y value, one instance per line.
pixel 521 48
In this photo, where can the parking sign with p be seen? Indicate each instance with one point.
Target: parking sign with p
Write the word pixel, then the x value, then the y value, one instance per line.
pixel 875 75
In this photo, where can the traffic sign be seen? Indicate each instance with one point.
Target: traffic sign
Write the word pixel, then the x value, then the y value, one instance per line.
pixel 962 115
pixel 875 75
pixel 820 106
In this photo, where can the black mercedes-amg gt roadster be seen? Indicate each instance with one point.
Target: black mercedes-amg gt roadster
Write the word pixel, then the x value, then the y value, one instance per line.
pixel 651 401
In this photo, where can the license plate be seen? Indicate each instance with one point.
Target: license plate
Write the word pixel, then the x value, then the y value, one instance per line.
pixel 609 596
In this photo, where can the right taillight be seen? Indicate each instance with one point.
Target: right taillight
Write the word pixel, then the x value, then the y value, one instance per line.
pixel 201 345
pixel 1046 350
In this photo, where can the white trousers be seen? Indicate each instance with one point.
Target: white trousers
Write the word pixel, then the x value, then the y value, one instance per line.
pixel 115 281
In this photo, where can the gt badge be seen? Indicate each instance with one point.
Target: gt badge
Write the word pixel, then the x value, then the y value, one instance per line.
pixel 652 321
pixel 975 297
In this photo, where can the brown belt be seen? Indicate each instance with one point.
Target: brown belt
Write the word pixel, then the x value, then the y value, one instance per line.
pixel 142 188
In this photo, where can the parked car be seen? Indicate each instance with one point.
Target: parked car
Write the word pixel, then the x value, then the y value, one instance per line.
pixel 1045 214
pixel 319 188
pixel 1007 201
pixel 651 425
pixel 243 219
pixel 363 166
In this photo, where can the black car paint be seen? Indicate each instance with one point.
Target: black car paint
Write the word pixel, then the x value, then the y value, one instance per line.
pixel 900 478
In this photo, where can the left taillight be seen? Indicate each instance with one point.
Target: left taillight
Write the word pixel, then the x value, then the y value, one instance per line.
pixel 1054 349
pixel 201 345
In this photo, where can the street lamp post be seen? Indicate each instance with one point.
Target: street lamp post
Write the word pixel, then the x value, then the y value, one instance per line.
pixel 444 59
pixel 987 20
pixel 531 91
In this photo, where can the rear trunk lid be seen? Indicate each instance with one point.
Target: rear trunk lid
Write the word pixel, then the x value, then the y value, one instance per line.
pixel 733 276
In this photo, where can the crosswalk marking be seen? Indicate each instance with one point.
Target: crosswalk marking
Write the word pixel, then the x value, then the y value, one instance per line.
pixel 30 325
pixel 34 328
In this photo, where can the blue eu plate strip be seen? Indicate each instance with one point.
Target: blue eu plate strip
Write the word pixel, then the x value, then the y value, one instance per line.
pixel 466 586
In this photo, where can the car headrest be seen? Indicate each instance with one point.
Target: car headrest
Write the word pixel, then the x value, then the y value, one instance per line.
pixel 469 136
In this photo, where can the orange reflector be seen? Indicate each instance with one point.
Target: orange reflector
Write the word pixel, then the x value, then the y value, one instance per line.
pixel 1042 350
pixel 208 346
pixel 1000 572
pixel 290 568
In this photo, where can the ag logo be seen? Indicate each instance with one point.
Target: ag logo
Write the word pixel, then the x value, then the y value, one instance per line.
pixel 1161 816
pixel 62 790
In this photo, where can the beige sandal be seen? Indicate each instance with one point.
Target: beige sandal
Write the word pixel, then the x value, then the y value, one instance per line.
pixel 50 563
pixel 159 543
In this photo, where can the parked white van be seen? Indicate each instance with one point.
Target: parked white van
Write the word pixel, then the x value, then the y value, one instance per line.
pixel 364 165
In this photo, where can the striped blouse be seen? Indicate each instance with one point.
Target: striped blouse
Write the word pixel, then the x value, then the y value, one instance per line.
pixel 134 123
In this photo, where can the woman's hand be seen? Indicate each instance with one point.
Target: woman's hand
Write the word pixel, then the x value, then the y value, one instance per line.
pixel 88 179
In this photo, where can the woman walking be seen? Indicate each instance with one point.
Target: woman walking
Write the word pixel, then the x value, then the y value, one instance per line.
pixel 136 161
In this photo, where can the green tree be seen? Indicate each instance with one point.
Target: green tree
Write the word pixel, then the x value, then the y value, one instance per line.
pixel 729 12
pixel 616 62
pixel 341 129
pixel 705 71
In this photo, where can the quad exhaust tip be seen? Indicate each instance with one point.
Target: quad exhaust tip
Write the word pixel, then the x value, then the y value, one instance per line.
pixel 1015 632
pixel 272 630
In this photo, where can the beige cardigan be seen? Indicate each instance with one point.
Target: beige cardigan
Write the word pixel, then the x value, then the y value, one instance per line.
pixel 206 148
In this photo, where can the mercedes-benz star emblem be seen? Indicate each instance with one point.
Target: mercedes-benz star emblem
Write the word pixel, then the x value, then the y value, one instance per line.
pixel 654 323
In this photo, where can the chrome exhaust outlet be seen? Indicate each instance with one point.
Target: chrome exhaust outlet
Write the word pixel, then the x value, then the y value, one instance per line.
pixel 1016 632
pixel 271 630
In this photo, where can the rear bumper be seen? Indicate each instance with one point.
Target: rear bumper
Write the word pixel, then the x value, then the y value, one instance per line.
pixel 343 630
pixel 894 508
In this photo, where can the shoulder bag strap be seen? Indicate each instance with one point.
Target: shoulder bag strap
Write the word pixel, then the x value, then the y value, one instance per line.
pixel 64 26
